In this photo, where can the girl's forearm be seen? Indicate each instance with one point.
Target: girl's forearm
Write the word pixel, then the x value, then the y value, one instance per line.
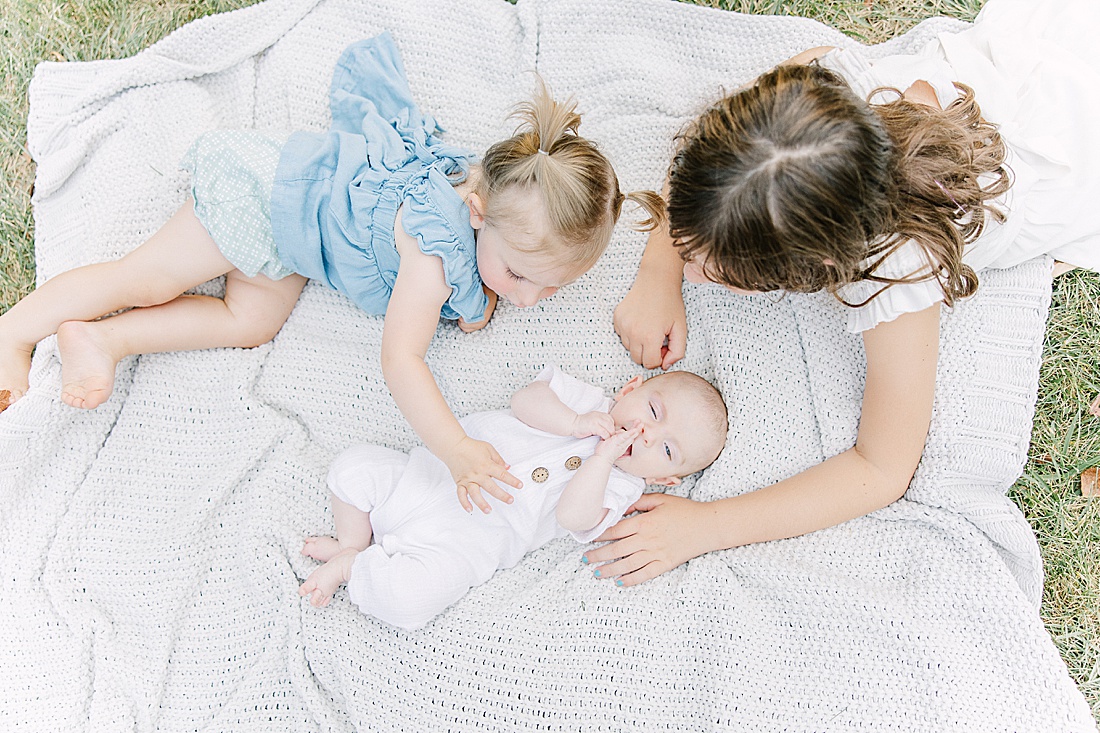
pixel 660 262
pixel 844 487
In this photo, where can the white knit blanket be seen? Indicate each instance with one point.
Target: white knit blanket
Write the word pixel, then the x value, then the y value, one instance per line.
pixel 150 548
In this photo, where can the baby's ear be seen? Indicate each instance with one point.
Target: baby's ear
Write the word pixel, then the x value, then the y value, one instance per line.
pixel 666 481
pixel 630 386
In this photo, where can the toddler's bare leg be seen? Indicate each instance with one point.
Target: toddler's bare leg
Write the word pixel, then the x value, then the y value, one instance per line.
pixel 178 257
pixel 251 313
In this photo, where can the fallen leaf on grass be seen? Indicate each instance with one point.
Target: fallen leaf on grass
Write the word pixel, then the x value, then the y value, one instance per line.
pixel 1089 482
pixel 1094 406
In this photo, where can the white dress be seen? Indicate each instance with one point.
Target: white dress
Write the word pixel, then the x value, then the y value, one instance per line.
pixel 427 551
pixel 1035 76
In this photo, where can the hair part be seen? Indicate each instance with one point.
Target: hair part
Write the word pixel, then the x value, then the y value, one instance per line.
pixel 795 183
pixel 577 184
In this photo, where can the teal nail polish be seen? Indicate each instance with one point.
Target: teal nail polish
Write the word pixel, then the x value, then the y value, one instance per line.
pixel 584 559
pixel 597 573
pixel 619 583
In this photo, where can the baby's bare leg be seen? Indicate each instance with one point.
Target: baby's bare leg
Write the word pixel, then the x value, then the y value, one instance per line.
pixel 353 531
pixel 178 257
pixel 323 582
pixel 353 535
pixel 251 313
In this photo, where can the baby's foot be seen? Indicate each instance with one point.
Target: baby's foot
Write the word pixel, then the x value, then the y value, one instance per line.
pixel 87 366
pixel 321 548
pixel 323 582
pixel 15 365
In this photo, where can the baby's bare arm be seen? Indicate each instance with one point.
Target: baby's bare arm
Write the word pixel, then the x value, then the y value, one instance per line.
pixel 581 506
pixel 538 406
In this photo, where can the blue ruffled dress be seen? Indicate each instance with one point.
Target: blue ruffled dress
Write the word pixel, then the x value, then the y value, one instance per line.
pixel 325 205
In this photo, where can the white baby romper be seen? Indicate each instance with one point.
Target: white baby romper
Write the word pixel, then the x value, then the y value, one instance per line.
pixel 427 551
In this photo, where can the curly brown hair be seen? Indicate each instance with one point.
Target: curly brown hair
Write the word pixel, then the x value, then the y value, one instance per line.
pixel 795 183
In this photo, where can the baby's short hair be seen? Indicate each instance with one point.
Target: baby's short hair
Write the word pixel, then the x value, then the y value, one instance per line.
pixel 714 419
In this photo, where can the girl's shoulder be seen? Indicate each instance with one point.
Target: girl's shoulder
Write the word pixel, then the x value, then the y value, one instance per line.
pixel 899 72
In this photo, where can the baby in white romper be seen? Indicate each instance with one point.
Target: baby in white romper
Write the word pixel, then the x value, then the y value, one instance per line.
pixel 583 458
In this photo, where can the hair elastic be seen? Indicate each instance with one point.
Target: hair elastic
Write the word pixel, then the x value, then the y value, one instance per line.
pixel 958 207
pixel 543 152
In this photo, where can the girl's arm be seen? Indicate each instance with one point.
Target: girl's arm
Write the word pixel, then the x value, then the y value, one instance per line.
pixel 897 409
pixel 411 320
pixel 650 320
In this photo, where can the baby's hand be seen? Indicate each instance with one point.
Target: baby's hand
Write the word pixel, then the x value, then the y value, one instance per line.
pixel 593 423
pixel 613 448
pixel 476 466
pixel 467 327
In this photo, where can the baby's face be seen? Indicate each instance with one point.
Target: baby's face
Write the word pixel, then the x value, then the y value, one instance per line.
pixel 674 441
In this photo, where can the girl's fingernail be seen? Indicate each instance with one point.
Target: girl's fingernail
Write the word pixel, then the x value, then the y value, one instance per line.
pixel 584 559
pixel 619 583
pixel 597 573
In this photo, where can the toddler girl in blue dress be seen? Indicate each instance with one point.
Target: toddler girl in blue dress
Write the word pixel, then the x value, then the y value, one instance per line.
pixel 378 208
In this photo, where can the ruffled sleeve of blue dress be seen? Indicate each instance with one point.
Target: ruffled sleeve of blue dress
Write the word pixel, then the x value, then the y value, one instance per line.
pixel 336 194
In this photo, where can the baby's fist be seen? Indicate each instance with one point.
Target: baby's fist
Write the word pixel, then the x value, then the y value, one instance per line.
pixel 613 447
pixel 593 423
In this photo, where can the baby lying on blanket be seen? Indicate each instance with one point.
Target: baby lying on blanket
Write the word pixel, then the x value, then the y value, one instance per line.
pixel 588 457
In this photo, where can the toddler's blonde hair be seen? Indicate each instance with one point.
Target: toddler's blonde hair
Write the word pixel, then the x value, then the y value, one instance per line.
pixel 576 182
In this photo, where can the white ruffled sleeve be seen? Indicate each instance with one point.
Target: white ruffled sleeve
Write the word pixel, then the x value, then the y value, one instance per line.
pixel 894 300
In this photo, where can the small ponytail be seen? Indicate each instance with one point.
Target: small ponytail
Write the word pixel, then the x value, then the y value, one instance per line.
pixel 653 205
pixel 545 121
pixel 576 182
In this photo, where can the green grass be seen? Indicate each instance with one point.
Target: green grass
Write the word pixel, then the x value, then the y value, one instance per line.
pixel 1066 438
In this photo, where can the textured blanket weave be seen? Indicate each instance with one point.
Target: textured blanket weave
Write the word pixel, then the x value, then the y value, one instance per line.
pixel 150 548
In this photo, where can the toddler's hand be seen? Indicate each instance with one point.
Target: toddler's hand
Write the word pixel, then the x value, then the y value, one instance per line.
pixel 467 327
pixel 593 423
pixel 476 466
pixel 613 448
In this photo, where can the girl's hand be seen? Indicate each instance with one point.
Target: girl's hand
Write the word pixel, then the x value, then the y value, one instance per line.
pixel 476 466
pixel 664 534
pixel 593 423
pixel 466 327
pixel 613 447
pixel 651 321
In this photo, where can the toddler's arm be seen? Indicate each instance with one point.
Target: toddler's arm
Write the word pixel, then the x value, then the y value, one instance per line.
pixel 538 406
pixel 581 506
pixel 411 319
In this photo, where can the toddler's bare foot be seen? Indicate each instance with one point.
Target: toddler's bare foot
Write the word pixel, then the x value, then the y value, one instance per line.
pixel 323 582
pixel 15 365
pixel 321 548
pixel 87 365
